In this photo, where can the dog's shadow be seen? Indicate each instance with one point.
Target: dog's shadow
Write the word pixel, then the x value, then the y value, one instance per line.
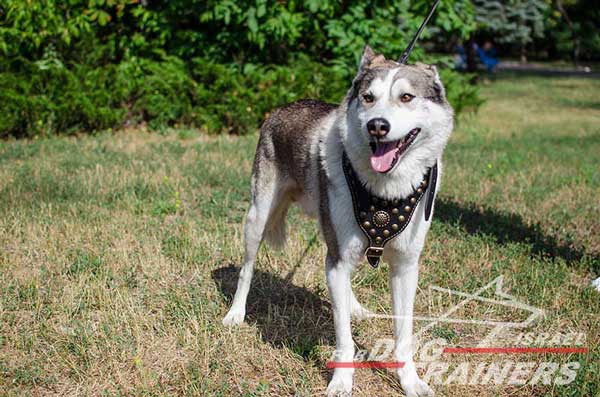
pixel 508 228
pixel 287 315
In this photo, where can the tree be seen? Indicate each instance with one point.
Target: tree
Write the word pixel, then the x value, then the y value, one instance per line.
pixel 575 29
pixel 516 22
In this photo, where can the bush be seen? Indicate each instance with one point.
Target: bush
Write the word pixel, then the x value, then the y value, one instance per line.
pixel 461 93
pixel 214 96
pixel 83 66
pixel 45 100
pixel 236 99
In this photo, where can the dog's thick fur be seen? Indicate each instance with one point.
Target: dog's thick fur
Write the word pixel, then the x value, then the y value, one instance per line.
pixel 299 159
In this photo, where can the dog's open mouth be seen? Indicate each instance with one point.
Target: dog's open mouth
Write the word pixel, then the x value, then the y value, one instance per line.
pixel 386 154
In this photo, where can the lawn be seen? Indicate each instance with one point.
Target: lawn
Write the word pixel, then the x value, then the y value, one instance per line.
pixel 118 256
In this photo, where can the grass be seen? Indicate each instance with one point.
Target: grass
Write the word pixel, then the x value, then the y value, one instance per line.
pixel 117 256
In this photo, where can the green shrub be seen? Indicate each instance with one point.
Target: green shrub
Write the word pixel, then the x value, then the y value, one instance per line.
pixel 213 96
pixel 39 101
pixel 88 65
pixel 461 93
pixel 236 99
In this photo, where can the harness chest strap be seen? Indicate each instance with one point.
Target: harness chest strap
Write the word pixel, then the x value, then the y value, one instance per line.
pixel 381 220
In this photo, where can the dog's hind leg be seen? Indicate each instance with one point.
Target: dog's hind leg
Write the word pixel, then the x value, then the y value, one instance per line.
pixel 267 195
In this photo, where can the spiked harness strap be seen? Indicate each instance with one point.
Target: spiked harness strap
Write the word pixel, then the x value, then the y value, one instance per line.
pixel 381 220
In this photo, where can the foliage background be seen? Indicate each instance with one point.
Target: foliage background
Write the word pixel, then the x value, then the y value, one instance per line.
pixel 221 65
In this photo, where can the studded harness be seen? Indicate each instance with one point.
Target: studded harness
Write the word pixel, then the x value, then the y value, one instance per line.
pixel 381 220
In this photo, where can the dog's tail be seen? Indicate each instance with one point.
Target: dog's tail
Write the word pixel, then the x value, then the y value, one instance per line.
pixel 275 236
pixel 275 233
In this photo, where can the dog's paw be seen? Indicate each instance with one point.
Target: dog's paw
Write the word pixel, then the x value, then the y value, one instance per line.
pixel 596 284
pixel 340 385
pixel 417 388
pixel 233 318
pixel 411 383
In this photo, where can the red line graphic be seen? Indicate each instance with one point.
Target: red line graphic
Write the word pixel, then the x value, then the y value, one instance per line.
pixel 365 364
pixel 514 350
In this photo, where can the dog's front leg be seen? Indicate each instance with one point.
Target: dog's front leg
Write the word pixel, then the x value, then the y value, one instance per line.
pixel 404 276
pixel 338 282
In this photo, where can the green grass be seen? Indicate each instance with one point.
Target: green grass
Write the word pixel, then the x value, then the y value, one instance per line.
pixel 117 255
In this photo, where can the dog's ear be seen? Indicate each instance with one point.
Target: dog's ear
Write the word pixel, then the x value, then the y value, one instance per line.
pixel 429 69
pixel 432 71
pixel 366 58
pixel 437 81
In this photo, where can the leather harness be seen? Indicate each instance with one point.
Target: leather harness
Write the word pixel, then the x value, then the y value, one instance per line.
pixel 380 219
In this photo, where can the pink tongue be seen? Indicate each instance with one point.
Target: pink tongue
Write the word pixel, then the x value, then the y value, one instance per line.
pixel 383 158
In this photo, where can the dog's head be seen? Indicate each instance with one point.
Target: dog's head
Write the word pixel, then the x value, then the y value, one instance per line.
pixel 396 114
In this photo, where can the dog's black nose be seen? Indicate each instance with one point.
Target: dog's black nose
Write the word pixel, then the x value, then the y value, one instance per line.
pixel 378 127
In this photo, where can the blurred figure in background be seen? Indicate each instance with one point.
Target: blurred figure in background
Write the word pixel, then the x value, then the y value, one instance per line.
pixel 486 55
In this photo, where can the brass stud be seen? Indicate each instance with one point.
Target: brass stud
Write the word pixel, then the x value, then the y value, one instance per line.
pixel 378 240
pixel 419 190
pixel 395 211
pixel 373 232
pixel 367 224
pixel 424 183
pixel 413 200
pixel 401 218
pixel 363 215
pixel 384 203
pixel 386 233
pixel 372 208
pixel 381 218
pixel 407 208
pixel 396 202
pixel 395 226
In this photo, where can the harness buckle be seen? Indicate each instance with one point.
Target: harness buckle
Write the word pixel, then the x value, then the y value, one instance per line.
pixel 373 255
pixel 374 252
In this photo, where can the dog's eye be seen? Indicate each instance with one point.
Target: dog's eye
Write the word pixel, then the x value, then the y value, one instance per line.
pixel 368 98
pixel 405 98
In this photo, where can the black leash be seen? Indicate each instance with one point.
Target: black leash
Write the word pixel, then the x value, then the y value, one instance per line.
pixel 404 58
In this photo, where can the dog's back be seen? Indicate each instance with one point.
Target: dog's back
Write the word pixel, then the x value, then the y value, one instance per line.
pixel 288 136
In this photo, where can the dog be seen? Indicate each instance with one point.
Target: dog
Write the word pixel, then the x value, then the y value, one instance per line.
pixel 392 126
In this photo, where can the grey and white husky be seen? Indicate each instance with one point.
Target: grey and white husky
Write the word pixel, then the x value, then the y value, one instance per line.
pixel 393 126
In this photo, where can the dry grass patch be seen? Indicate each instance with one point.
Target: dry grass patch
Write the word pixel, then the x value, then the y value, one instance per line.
pixel 119 255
